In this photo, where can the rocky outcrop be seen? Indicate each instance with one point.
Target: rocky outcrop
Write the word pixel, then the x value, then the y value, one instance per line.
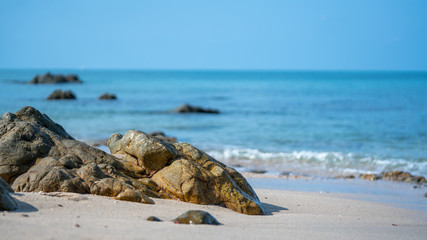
pixel 186 108
pixel 183 172
pixel 7 202
pixel 46 158
pixel 107 96
pixel 49 78
pixel 59 94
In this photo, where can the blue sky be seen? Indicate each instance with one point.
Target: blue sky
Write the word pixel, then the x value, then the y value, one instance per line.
pixel 202 34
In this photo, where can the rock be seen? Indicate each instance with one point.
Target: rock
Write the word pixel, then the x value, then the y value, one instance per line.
pixel 401 176
pixel 154 219
pixel 369 177
pixel 46 158
pixel 107 96
pixel 7 202
pixel 196 217
pixel 49 78
pixel 151 153
pixel 198 178
pixel 59 94
pixel 163 136
pixel 186 108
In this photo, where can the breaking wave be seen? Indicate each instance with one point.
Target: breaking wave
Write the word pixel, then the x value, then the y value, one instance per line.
pixel 320 163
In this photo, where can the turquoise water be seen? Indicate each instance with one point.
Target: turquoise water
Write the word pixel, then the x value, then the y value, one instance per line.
pixel 313 122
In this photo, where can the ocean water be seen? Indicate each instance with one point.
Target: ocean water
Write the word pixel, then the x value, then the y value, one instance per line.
pixel 319 123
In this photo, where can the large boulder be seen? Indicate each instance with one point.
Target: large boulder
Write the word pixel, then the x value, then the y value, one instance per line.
pixel 49 78
pixel 186 173
pixel 36 154
pixel 186 108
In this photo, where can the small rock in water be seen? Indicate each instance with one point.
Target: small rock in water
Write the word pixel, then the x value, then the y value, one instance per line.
pixel 196 217
pixel 154 219
pixel 425 195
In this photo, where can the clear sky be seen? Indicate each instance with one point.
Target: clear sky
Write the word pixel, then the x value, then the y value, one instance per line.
pixel 205 34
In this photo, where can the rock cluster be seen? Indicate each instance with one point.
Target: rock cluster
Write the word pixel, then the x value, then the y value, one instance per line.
pixel 49 78
pixel 397 176
pixel 59 94
pixel 186 108
pixel 46 158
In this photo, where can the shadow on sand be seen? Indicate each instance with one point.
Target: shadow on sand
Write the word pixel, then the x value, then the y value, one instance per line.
pixel 269 209
pixel 23 206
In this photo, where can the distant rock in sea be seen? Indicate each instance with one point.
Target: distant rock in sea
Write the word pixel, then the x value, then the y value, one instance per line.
pixel 59 94
pixel 186 108
pixel 107 96
pixel 37 154
pixel 49 78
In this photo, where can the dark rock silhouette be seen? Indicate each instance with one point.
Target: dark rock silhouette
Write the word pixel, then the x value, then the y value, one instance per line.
pixel 186 108
pixel 107 96
pixel 49 78
pixel 59 94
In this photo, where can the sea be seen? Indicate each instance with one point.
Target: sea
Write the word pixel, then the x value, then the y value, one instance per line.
pixel 321 123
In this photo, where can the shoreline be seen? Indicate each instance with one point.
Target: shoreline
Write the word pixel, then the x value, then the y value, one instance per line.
pixel 300 214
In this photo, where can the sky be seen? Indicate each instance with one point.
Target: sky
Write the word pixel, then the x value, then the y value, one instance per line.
pixel 203 34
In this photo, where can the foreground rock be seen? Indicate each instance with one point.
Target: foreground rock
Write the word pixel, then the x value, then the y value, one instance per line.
pixel 7 202
pixel 186 108
pixel 49 78
pixel 46 158
pixel 185 173
pixel 196 217
pixel 107 96
pixel 59 94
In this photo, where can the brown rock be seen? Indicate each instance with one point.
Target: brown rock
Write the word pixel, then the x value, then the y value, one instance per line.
pixel 369 177
pixel 401 176
pixel 186 108
pixel 107 96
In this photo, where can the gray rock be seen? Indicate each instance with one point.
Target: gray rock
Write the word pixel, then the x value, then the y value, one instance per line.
pixel 49 78
pixel 7 202
pixel 107 96
pixel 196 217
pixel 186 108
pixel 59 94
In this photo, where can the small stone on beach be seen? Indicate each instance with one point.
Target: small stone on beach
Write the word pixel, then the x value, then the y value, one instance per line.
pixel 196 217
pixel 154 219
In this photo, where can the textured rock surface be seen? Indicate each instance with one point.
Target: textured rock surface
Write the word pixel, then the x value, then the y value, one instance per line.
pixel 186 108
pixel 186 173
pixel 196 217
pixel 36 154
pixel 49 78
pixel 59 94
pixel 7 202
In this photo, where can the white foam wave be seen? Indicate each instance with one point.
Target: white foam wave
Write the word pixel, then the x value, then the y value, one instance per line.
pixel 318 162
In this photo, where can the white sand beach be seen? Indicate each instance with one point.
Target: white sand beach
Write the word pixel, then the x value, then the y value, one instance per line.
pixel 289 214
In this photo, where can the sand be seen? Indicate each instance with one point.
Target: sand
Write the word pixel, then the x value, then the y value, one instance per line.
pixel 289 215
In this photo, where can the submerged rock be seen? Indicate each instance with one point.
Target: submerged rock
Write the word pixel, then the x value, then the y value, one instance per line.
pixel 49 78
pixel 186 108
pixel 107 96
pixel 196 217
pixel 46 158
pixel 7 202
pixel 59 94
